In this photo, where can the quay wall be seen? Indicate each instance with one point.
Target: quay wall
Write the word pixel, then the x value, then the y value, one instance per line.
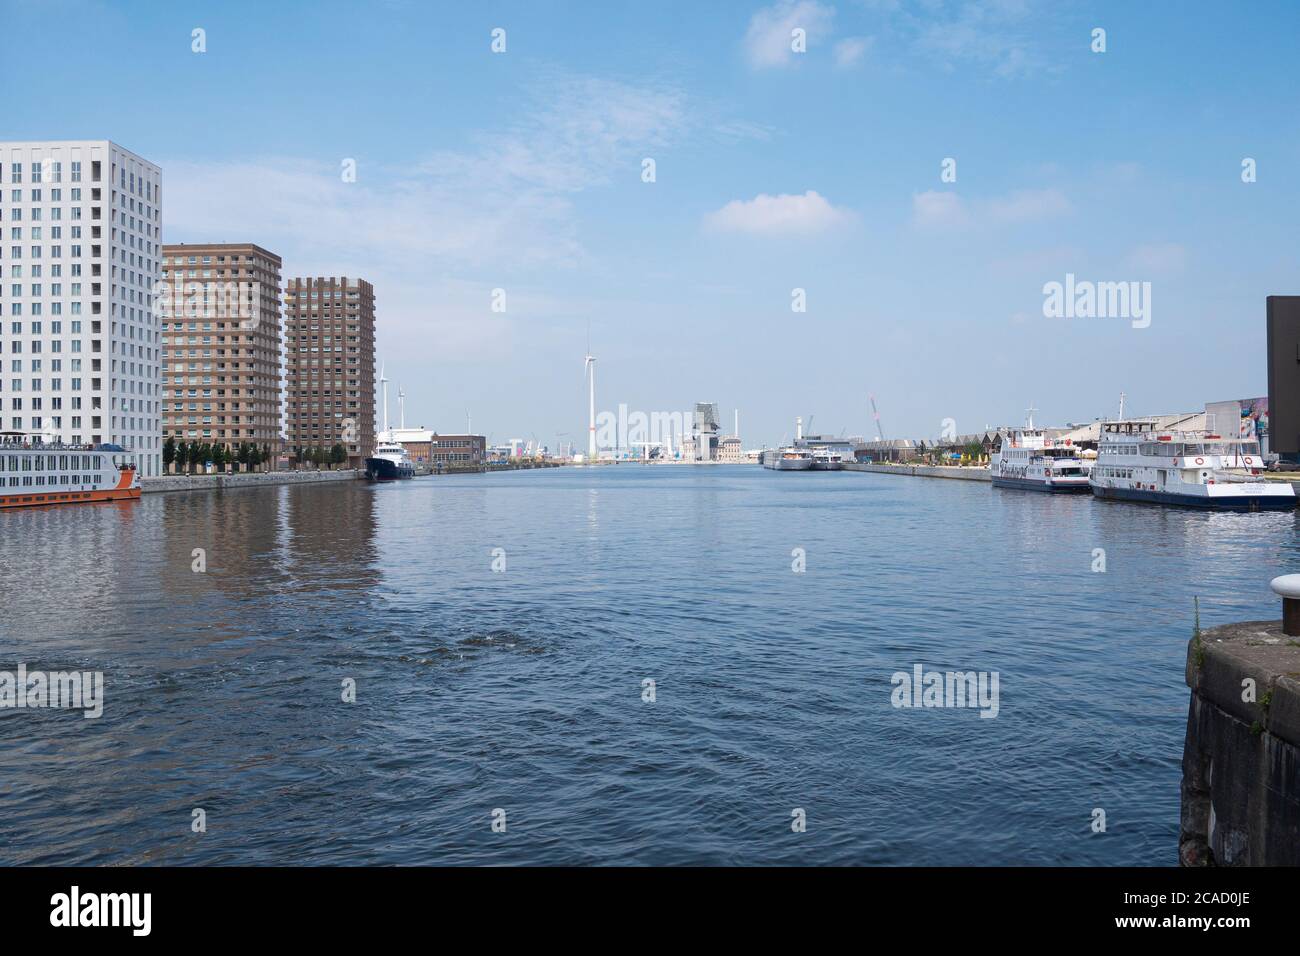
pixel 1241 756
pixel 264 478
pixel 969 473
pixel 243 480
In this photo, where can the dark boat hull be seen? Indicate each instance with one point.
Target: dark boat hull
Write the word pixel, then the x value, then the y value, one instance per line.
pixel 1219 503
pixel 381 469
pixel 1029 484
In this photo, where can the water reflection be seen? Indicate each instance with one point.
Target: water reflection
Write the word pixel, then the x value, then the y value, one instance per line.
pixel 478 688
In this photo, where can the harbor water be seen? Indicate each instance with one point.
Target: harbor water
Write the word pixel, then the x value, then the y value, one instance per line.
pixel 631 664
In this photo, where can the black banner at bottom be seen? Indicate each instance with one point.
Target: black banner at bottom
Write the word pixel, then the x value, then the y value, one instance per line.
pixel 945 906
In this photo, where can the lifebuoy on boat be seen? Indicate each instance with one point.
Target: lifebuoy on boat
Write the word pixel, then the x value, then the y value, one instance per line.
pixel 1200 461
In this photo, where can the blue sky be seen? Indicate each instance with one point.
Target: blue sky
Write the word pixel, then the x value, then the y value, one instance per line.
pixel 522 171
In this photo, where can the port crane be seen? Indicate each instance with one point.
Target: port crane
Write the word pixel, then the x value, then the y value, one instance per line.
pixel 880 436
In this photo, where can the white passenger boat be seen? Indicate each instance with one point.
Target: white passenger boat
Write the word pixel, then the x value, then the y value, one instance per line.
pixel 826 460
pixel 829 453
pixel 1136 461
pixel 789 458
pixel 1030 460
pixel 36 471
pixel 806 454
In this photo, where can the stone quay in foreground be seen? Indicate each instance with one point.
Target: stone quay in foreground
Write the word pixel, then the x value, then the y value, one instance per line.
pixel 1241 757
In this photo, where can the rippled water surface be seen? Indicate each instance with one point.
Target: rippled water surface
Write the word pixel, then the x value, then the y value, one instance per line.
pixel 522 689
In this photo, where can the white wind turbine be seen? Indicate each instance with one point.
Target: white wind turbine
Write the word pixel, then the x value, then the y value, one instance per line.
pixel 590 363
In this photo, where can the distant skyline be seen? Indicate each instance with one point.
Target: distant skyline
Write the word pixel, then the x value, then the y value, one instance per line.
pixel 773 171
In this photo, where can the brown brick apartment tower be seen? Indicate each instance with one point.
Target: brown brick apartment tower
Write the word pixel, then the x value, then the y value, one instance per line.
pixel 221 341
pixel 330 365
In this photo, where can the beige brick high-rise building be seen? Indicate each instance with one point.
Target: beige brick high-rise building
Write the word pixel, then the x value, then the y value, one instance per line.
pixel 330 364
pixel 221 345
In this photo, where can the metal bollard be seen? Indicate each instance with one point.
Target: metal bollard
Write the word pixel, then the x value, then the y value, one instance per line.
pixel 1288 586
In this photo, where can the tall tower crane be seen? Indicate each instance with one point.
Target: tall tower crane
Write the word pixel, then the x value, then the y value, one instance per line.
pixel 880 436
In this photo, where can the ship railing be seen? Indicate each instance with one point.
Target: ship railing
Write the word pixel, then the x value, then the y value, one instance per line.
pixel 43 446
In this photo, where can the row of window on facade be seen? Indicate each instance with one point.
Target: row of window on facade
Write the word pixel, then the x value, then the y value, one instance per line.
pixel 51 171
pixel 220 259
pixel 49 462
pixel 28 481
pixel 123 217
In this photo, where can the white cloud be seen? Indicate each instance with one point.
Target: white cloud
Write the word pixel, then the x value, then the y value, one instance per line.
pixel 997 35
pixel 505 198
pixel 436 233
pixel 850 51
pixel 767 41
pixel 936 209
pixel 785 214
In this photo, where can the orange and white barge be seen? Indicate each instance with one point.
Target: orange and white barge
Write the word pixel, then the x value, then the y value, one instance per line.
pixel 35 472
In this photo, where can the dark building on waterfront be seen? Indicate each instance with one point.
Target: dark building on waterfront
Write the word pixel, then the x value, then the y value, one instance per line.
pixel 1283 317
pixel 330 365
pixel 221 344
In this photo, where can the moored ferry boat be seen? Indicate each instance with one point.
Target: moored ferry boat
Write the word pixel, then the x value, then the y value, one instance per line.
pixel 803 455
pixel 34 472
pixel 788 459
pixel 1030 460
pixel 1197 469
pixel 829 453
pixel 826 460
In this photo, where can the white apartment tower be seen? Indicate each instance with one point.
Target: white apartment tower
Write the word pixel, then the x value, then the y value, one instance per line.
pixel 79 259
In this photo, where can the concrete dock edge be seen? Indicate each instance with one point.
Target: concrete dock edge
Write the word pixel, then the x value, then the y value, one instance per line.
pixel 923 471
pixel 1241 755
pixel 245 480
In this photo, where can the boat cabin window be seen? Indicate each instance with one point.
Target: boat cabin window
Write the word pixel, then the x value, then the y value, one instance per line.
pixel 1161 449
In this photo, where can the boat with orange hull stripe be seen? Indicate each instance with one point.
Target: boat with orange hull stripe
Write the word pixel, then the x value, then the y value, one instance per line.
pixel 36 472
